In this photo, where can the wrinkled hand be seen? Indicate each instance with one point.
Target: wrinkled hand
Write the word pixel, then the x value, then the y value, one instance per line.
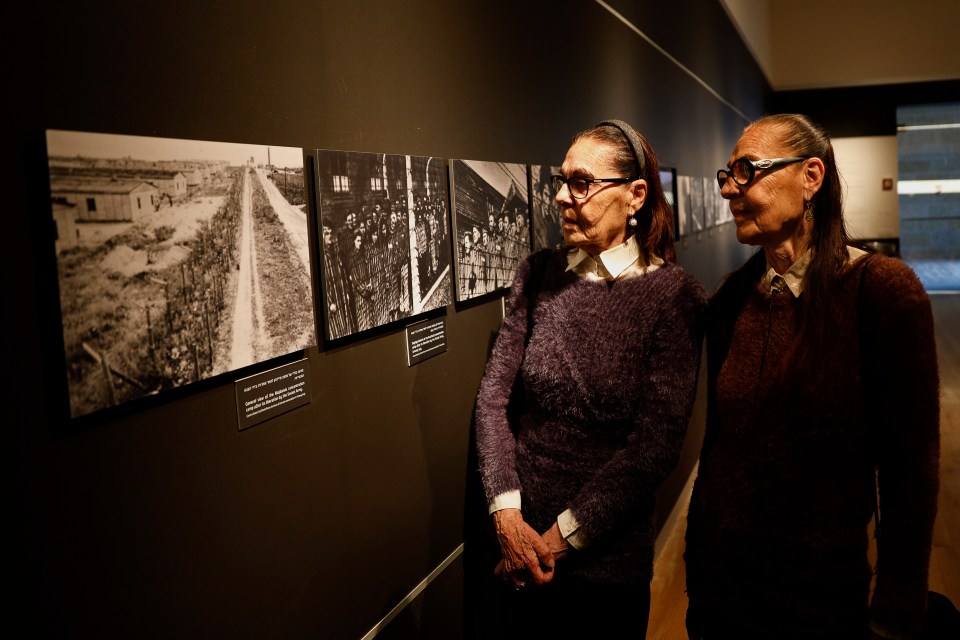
pixel 525 554
pixel 555 541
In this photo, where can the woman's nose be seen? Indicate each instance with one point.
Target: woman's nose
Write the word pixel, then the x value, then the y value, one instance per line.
pixel 729 189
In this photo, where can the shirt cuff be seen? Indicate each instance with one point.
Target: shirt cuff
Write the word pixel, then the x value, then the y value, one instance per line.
pixel 571 532
pixel 506 500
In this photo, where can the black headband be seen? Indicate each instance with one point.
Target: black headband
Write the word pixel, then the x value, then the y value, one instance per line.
pixel 633 138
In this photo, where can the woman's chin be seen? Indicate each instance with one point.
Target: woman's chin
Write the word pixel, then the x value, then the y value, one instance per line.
pixel 747 233
pixel 571 237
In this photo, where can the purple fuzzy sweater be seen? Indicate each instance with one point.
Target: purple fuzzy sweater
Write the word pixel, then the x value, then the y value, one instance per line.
pixel 608 383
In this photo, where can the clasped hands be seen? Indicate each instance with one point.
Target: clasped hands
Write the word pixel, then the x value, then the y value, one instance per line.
pixel 527 555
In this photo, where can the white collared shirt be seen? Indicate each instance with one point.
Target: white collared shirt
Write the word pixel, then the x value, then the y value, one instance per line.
pixel 793 278
pixel 617 263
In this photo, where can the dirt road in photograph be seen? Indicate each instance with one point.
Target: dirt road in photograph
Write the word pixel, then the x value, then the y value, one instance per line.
pixel 248 331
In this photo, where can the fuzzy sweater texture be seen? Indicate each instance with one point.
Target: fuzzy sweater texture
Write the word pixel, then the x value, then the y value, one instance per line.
pixel 599 413
pixel 777 527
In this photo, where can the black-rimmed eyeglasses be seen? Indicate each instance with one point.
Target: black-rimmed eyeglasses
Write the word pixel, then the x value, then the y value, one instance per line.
pixel 580 187
pixel 743 170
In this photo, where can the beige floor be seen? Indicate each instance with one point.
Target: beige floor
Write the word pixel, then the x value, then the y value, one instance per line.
pixel 669 602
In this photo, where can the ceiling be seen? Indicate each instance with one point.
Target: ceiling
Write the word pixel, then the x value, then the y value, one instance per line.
pixel 842 43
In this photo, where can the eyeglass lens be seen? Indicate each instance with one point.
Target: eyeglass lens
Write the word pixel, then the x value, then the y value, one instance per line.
pixel 578 187
pixel 741 171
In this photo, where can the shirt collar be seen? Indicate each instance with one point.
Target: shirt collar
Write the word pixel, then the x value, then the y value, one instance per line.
pixel 793 278
pixel 621 261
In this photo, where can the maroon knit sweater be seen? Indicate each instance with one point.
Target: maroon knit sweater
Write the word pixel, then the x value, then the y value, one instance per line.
pixel 608 382
pixel 776 534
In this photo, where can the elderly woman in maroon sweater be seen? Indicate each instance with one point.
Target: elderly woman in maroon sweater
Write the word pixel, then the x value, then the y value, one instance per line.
pixel 584 404
pixel 823 389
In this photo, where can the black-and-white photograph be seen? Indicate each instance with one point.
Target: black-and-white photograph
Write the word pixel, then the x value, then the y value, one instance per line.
pixel 178 260
pixel 683 206
pixel 491 220
pixel 668 180
pixel 711 197
pixel 385 238
pixel 691 194
pixel 545 212
pixel 723 214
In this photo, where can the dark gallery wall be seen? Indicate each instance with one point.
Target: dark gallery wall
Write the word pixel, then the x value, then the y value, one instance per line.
pixel 161 519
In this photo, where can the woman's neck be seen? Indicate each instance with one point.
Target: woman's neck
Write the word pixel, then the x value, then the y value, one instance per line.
pixel 782 256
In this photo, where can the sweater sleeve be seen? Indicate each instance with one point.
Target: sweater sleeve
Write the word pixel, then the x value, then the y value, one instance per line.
pixel 631 476
pixel 496 443
pixel 902 400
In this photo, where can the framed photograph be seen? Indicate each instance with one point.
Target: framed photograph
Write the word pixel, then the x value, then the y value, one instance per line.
pixel 491 221
pixel 385 239
pixel 723 206
pixel 668 178
pixel 545 212
pixel 690 193
pixel 683 206
pixel 178 260
pixel 698 204
pixel 711 196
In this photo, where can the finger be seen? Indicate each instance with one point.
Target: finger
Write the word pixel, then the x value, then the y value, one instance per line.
pixel 544 553
pixel 547 576
pixel 539 557
pixel 541 576
pixel 538 570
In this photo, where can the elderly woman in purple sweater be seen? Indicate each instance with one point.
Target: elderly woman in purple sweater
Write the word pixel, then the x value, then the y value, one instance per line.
pixel 585 400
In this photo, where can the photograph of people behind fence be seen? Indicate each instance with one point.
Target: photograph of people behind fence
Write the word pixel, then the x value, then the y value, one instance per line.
pixel 178 260
pixel 384 236
pixel 491 218
pixel 545 218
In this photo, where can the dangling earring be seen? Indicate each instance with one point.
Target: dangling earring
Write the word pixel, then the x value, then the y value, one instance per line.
pixel 808 210
pixel 633 221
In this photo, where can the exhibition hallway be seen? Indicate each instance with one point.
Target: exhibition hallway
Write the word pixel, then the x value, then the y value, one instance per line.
pixel 668 600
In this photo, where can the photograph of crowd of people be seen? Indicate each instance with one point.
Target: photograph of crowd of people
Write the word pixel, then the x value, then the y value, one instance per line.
pixel 492 223
pixel 545 218
pixel 384 236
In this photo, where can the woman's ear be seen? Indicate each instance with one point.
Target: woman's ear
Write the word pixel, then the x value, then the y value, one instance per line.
pixel 813 171
pixel 639 194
